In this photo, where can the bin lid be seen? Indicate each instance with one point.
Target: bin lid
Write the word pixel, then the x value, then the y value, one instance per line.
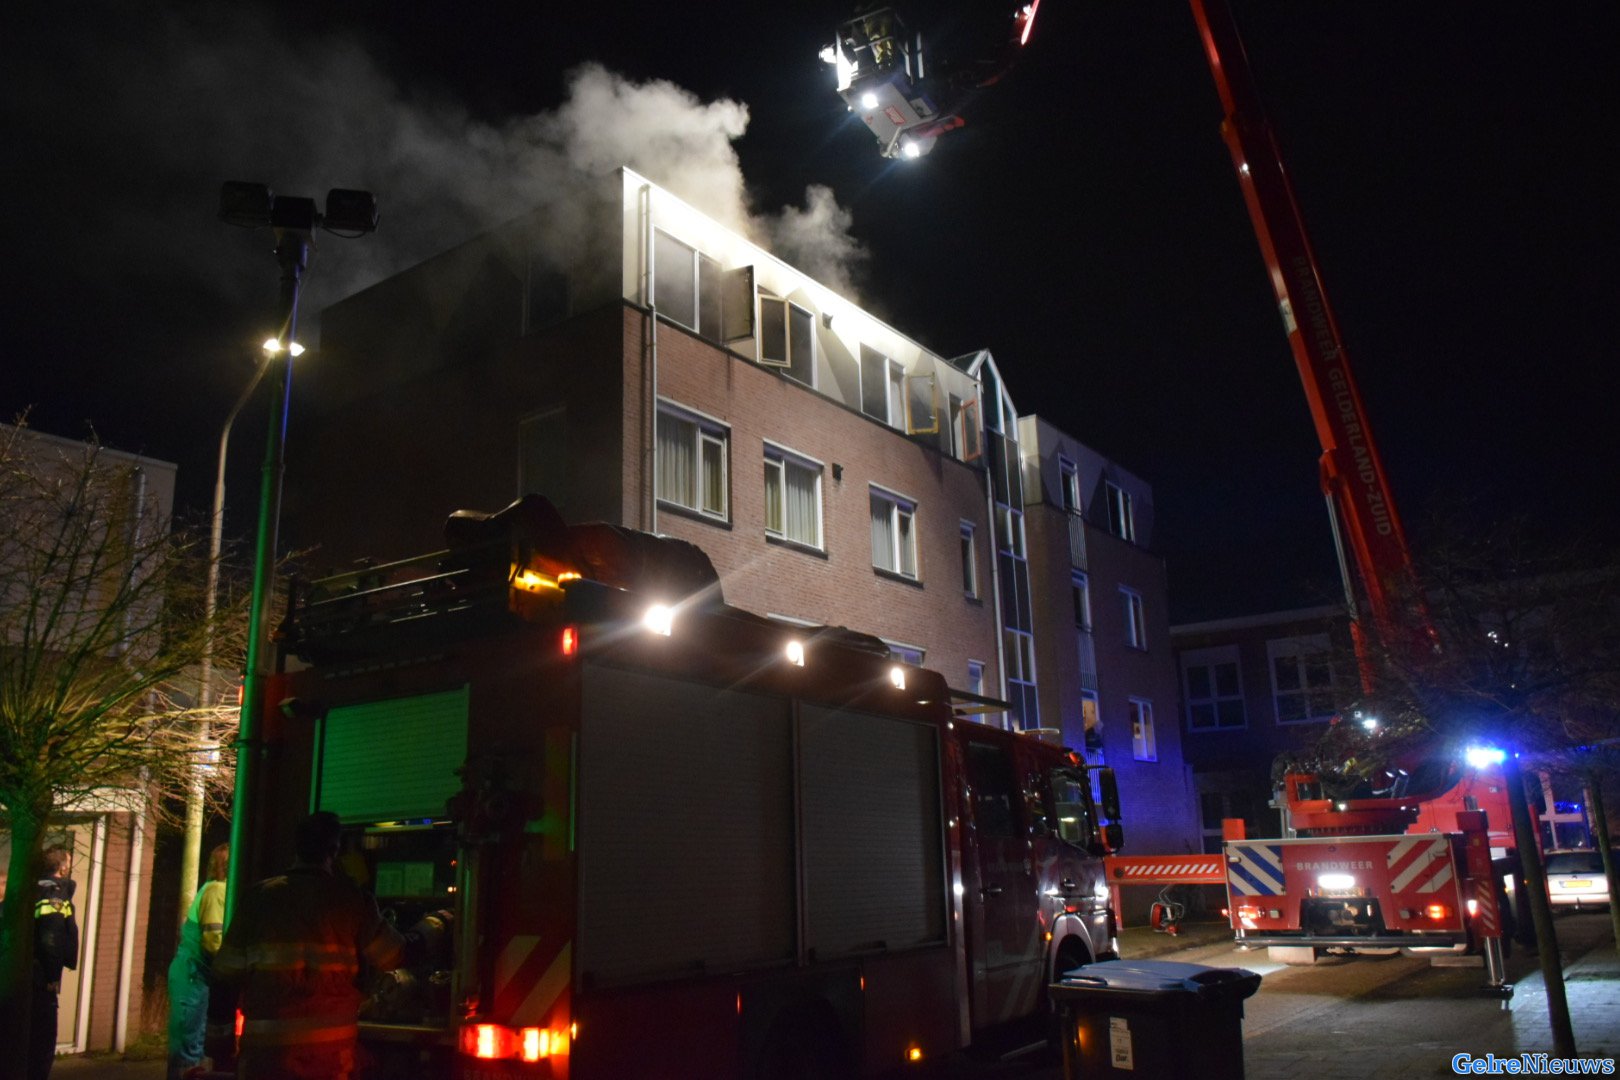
pixel 1163 977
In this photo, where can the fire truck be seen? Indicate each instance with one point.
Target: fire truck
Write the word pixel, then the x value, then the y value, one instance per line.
pixel 679 839
pixel 1408 863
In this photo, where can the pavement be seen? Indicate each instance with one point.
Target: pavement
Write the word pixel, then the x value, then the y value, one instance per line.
pixel 1413 1044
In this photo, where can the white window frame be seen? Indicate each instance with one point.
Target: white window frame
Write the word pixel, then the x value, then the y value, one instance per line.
pixel 1211 658
pixel 1080 592
pixel 699 262
pixel 900 508
pixel 1144 741
pixel 1299 649
pixel 895 394
pixel 785 364
pixel 1135 612
pixel 707 431
pixel 1069 485
pixel 1121 512
pixel 975 677
pixel 782 459
pixel 970 562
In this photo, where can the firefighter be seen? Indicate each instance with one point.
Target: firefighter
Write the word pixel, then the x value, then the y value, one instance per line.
pixel 200 938
pixel 56 946
pixel 294 952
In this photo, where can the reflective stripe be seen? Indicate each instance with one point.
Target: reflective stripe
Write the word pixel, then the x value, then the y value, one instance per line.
pixel 212 927
pixel 299 1030
pixel 293 956
pixel 63 908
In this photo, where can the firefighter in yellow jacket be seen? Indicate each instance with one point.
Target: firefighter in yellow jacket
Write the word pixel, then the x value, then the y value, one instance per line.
pixel 294 952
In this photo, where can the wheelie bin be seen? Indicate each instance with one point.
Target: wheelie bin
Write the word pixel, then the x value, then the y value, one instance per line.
pixel 1146 1019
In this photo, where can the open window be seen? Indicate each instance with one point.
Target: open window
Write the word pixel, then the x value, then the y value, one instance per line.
pixel 922 405
pixel 787 338
pixel 966 429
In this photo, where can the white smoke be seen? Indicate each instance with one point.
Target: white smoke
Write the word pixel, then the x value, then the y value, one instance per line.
pixel 202 97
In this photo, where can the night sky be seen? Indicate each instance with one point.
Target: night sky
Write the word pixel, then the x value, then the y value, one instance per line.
pixel 1453 162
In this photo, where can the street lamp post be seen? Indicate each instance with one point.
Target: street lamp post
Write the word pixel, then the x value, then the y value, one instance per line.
pixel 294 219
pixel 191 851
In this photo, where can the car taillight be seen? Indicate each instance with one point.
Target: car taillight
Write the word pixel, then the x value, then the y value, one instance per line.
pixel 1437 912
pixel 496 1042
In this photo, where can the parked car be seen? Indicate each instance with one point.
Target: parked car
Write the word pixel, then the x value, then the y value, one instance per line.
pixel 1575 880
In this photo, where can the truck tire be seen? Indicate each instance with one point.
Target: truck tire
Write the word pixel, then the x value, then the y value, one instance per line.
pixel 1071 954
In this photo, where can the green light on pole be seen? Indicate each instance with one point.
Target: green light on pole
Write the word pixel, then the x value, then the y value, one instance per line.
pixel 294 219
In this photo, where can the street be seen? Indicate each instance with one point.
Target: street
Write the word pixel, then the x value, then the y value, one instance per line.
pixel 1387 1017
pixel 1393 1017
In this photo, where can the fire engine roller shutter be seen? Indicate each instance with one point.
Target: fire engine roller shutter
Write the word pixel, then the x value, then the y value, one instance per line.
pixel 391 760
pixel 685 828
pixel 874 869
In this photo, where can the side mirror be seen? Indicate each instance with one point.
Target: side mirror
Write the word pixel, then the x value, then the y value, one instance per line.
pixel 1114 836
pixel 1109 787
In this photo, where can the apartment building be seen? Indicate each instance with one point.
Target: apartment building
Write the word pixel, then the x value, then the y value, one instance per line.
pixel 1102 629
pixel 662 372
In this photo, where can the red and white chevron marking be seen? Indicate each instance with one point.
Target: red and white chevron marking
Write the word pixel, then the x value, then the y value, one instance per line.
pixel 1166 869
pixel 1419 864
pixel 1485 895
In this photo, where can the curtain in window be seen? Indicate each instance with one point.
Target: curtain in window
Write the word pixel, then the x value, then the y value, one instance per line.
pixel 882 534
pixel 773 496
pixel 677 461
pixel 908 544
pixel 803 513
pixel 714 475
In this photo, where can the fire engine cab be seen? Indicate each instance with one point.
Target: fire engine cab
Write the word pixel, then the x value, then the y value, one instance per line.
pixel 679 839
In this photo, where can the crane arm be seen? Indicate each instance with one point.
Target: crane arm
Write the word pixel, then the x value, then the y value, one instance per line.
pixel 1352 474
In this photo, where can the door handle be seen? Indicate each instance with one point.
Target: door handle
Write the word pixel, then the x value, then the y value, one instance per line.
pixel 990 890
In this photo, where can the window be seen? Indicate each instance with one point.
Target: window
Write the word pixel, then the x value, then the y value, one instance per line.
pixel 1301 678
pixel 883 388
pixel 1143 745
pixel 787 338
pixel 691 469
pixel 1019 649
pixel 1091 717
pixel 991 787
pixel 970 562
pixel 1073 808
pixel 975 678
pixel 1068 485
pixel 906 654
pixel 894 534
pixel 792 497
pixel 1135 619
pixel 1080 590
pixel 686 285
pixel 1213 691
pixel 967 440
pixel 1121 516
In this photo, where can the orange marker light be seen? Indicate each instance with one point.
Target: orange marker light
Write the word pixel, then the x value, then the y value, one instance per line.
pixel 570 641
pixel 532 1044
pixel 914 1053
pixel 1436 911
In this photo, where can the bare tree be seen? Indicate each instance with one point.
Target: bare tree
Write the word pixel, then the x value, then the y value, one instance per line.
pixel 101 624
pixel 1510 639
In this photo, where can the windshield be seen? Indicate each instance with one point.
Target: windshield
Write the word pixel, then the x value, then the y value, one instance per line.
pixel 1574 862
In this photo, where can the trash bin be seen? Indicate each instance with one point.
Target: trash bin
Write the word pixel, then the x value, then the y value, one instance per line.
pixel 1146 1019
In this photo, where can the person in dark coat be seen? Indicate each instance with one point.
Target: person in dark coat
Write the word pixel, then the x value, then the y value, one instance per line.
pixel 294 951
pixel 56 948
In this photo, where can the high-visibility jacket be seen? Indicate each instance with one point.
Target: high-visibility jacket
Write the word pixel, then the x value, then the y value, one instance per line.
pixel 294 952
pixel 56 931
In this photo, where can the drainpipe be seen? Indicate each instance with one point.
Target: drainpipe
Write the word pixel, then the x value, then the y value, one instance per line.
pixel 126 957
pixel 88 932
pixel 649 468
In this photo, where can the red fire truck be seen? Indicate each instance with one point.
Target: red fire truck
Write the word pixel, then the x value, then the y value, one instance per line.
pixel 680 839
pixel 1354 877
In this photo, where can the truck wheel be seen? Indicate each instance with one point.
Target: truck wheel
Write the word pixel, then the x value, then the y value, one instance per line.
pixel 1071 954
pixel 804 1044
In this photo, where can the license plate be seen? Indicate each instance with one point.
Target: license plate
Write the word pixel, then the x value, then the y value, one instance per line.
pixel 1575 884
